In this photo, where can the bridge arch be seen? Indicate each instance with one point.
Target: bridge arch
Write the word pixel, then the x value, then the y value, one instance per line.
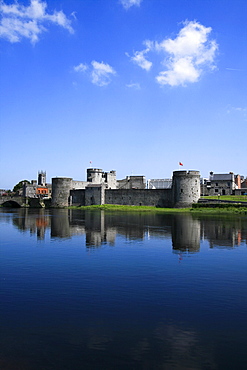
pixel 11 204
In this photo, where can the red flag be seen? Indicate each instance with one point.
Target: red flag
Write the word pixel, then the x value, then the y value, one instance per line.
pixel 180 164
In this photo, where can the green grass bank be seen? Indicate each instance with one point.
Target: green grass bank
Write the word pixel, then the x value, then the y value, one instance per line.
pixel 197 208
pixel 234 198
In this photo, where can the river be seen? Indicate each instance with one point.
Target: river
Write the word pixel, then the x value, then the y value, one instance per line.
pixel 119 290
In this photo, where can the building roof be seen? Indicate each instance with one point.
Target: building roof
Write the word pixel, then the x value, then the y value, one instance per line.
pixel 222 177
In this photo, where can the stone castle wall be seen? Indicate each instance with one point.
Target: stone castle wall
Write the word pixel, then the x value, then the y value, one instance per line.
pixel 139 197
pixel 184 192
pixel 94 195
pixel 77 197
pixel 79 184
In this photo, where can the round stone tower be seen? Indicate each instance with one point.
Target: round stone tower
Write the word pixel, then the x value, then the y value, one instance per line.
pixel 61 187
pixel 95 175
pixel 185 188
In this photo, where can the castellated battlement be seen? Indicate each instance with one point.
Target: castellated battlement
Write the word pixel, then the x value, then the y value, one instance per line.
pixel 102 188
pixel 186 173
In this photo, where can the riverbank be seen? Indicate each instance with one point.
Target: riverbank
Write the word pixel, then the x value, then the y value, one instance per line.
pixel 197 208
pixel 232 198
pixel 113 207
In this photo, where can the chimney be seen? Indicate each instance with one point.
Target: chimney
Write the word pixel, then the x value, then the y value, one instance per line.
pixel 238 181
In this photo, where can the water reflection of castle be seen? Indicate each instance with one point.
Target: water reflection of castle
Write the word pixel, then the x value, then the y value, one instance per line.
pixel 100 228
pixel 225 234
pixel 30 220
pixel 186 234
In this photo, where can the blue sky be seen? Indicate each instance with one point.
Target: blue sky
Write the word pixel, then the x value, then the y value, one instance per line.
pixel 135 86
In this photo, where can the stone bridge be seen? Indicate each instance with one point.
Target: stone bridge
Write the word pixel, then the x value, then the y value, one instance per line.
pixel 19 201
pixel 13 201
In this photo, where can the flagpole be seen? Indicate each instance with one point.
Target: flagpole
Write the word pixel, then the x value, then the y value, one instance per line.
pixel 180 164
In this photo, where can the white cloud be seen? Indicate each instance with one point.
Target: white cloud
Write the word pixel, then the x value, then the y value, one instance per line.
pixel 133 85
pixel 186 57
pixel 140 59
pixel 73 14
pixel 129 3
pixel 101 74
pixel 235 69
pixel 80 68
pixel 179 72
pixel 19 21
pixel 190 53
pixel 240 111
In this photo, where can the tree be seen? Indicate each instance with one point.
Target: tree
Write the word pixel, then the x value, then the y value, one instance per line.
pixel 19 185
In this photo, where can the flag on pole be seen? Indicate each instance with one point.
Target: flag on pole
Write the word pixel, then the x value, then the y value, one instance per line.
pixel 180 164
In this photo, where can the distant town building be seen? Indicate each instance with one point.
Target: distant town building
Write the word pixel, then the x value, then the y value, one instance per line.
pixel 242 190
pixel 244 183
pixel 220 184
pixel 37 189
pixel 3 192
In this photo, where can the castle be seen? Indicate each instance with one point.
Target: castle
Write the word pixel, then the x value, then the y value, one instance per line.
pixel 103 188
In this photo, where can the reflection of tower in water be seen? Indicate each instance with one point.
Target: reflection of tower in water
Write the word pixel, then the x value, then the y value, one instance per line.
pixel 97 232
pixel 60 224
pixel 185 234
pixel 95 228
pixel 66 223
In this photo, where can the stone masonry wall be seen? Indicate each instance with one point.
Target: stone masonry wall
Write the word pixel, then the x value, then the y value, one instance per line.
pixel 94 195
pixel 79 184
pixel 77 197
pixel 139 197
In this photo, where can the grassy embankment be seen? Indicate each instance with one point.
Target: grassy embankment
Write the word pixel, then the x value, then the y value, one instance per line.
pixel 219 208
pixel 222 208
pixel 235 198
pixel 113 207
